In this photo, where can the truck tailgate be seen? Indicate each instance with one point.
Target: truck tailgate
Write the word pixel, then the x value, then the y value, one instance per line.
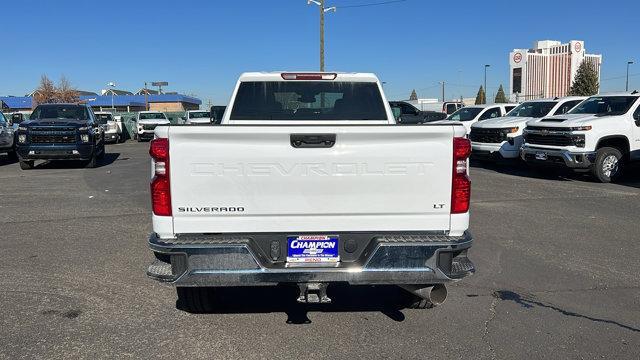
pixel 237 179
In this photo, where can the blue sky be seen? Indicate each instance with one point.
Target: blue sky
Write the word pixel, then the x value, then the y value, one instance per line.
pixel 200 47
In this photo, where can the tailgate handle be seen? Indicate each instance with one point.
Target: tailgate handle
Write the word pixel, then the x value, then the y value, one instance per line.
pixel 313 140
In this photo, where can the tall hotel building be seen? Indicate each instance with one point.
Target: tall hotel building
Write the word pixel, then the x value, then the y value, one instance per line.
pixel 548 69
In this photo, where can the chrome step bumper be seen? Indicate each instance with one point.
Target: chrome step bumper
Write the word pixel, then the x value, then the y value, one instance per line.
pixel 214 260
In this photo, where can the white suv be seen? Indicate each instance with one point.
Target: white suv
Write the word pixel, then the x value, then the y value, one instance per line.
pixel 600 135
pixel 502 137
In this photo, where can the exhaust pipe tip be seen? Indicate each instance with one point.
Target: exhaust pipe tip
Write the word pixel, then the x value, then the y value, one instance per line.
pixel 438 294
pixel 427 296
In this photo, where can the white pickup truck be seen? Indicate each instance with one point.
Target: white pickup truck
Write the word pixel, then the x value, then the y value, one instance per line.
pixel 112 126
pixel 470 115
pixel 308 181
pixel 146 123
pixel 501 138
pixel 193 117
pixel 600 135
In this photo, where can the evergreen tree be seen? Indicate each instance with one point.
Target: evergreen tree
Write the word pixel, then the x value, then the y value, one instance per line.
pixel 414 95
pixel 586 81
pixel 501 98
pixel 481 98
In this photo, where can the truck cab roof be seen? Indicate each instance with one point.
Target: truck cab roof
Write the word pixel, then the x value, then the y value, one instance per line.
pixel 281 76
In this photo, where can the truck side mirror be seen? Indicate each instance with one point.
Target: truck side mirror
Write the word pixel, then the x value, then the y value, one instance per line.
pixel 636 117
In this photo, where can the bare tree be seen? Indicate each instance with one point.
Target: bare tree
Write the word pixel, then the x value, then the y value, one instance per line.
pixel 46 91
pixel 66 92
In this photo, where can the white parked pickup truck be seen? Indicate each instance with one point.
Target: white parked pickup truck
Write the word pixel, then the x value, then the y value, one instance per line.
pixel 308 181
pixel 112 130
pixel 193 117
pixel 146 122
pixel 501 138
pixel 600 135
pixel 470 115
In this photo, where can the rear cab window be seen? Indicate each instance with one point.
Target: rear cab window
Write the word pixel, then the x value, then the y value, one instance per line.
pixel 153 116
pixel 451 108
pixel 199 115
pixel 308 100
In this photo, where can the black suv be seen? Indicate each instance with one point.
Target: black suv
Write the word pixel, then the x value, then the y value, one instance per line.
pixel 60 132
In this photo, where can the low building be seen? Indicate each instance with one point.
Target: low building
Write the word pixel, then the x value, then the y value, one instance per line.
pixel 172 102
pixel 548 69
pixel 16 103
pixel 121 103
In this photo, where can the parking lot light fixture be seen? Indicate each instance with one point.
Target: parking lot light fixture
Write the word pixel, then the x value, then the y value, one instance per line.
pixel 323 10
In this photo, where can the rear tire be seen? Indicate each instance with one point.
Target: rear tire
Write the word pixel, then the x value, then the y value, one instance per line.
pixel 608 165
pixel 26 165
pixel 196 299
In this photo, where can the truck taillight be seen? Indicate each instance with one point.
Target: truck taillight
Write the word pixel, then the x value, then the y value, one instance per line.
pixel 460 183
pixel 160 186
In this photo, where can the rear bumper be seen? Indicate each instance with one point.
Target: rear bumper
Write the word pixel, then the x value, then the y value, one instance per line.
pixel 557 157
pixel 55 152
pixel 214 260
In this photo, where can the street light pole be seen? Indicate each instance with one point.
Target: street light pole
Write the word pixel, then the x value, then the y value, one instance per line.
pixel 113 85
pixel 323 10
pixel 485 82
pixel 626 88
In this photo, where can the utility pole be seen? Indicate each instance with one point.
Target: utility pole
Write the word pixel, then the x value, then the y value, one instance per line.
pixel 146 102
pixel 443 100
pixel 626 88
pixel 323 10
pixel 322 36
pixel 485 81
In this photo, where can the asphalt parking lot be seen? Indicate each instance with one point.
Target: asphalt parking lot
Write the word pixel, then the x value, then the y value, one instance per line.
pixel 558 259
